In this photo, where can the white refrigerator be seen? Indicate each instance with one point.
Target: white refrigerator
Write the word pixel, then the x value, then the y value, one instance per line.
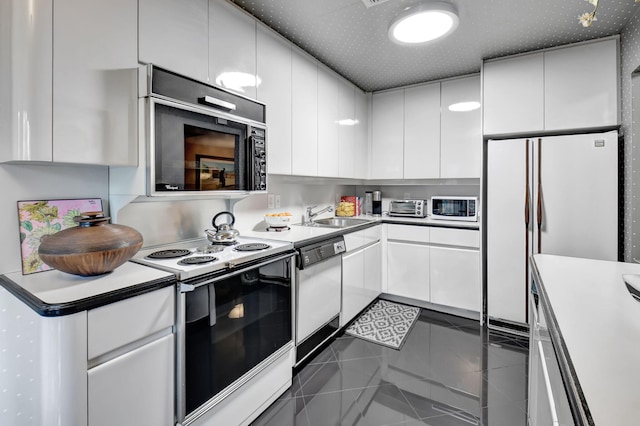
pixel 555 195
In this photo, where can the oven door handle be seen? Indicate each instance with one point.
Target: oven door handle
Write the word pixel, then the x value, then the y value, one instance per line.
pixel 187 287
pixel 211 101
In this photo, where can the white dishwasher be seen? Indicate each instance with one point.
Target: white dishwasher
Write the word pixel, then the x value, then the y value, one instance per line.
pixel 318 294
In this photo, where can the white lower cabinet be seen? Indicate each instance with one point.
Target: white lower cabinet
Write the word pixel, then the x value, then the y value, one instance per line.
pixel 408 270
pixel 455 277
pixel 135 388
pixel 361 272
pixel 437 265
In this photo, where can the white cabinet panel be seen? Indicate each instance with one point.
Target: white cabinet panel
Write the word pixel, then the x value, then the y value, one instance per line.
pixel 422 131
pixel 408 233
pixel 304 119
pixel 354 240
pixel 408 270
pixel 328 147
pixel 135 389
pixel 118 324
pixel 174 34
pixel 581 86
pixel 506 230
pixel 274 70
pixel 26 62
pixel 513 91
pixel 461 143
pixel 387 135
pixel 353 296
pixel 232 48
pixel 373 271
pixel 455 277
pixel 95 89
pixel 347 149
pixel 455 237
pixel 362 134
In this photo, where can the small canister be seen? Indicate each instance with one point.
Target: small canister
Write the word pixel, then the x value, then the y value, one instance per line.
pixel 368 203
pixel 377 203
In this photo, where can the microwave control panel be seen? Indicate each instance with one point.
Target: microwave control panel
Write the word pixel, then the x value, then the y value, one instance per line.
pixel 260 159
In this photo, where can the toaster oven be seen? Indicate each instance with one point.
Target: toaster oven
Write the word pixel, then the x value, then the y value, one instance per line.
pixel 408 208
pixel 454 208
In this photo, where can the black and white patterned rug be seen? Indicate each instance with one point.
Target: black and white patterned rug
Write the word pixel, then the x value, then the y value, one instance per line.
pixel 386 323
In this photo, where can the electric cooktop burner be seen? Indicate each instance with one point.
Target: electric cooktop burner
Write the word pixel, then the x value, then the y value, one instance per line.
pixel 252 247
pixel 169 254
pixel 197 260
pixel 210 249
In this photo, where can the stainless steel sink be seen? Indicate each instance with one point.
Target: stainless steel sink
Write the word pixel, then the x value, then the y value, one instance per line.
pixel 338 222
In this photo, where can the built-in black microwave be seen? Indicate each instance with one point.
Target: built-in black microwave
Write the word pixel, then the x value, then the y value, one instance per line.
pixel 203 139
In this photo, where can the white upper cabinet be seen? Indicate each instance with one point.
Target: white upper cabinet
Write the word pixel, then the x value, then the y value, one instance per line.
pixel 567 88
pixel 362 134
pixel 581 86
pixel 95 89
pixel 387 135
pixel 174 34
pixel 304 117
pixel 274 71
pixel 513 98
pixel 461 142
pixel 232 48
pixel 347 149
pixel 26 62
pixel 63 99
pixel 422 131
pixel 328 147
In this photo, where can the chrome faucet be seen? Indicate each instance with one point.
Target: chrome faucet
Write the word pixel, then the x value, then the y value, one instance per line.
pixel 309 214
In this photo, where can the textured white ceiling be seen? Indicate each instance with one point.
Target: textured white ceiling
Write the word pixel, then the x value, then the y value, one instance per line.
pixel 352 39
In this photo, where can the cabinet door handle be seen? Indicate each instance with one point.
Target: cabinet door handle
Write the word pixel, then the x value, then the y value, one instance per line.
pixel 539 212
pixel 527 218
pixel 211 101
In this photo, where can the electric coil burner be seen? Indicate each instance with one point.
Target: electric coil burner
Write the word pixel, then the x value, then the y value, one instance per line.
pixel 197 260
pixel 252 247
pixel 169 254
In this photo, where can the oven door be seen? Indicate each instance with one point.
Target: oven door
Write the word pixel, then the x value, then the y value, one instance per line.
pixel 195 149
pixel 228 328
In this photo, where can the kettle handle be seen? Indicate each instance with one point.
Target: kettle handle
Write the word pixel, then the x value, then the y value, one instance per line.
pixel 233 219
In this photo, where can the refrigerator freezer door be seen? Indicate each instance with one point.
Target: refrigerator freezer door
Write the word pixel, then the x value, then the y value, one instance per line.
pixel 579 178
pixel 506 229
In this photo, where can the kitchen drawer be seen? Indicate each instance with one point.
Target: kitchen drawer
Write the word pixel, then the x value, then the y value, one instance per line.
pixel 418 234
pixel 118 324
pixel 354 240
pixel 373 234
pixel 456 237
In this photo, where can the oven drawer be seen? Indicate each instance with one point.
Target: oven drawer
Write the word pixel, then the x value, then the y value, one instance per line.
pixel 116 325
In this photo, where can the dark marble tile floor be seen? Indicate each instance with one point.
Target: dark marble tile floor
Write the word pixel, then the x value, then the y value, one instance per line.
pixel 450 372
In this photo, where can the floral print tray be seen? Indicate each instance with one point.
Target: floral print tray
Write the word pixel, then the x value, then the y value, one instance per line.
pixel 46 217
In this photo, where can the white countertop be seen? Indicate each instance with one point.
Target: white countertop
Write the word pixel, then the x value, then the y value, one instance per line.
pixel 298 233
pixel 57 289
pixel 600 324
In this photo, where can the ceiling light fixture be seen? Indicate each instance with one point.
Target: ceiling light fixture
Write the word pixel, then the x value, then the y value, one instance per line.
pixel 426 22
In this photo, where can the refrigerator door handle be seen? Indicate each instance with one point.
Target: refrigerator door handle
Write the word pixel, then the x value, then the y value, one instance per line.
pixel 539 209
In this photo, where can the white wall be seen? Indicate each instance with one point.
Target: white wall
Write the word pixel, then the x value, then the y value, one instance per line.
pixel 630 58
pixel 41 182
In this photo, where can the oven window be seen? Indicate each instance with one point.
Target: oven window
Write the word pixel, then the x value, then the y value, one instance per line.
pixel 232 326
pixel 403 207
pixel 198 152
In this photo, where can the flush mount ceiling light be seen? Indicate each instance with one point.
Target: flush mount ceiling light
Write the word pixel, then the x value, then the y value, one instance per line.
pixel 423 23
